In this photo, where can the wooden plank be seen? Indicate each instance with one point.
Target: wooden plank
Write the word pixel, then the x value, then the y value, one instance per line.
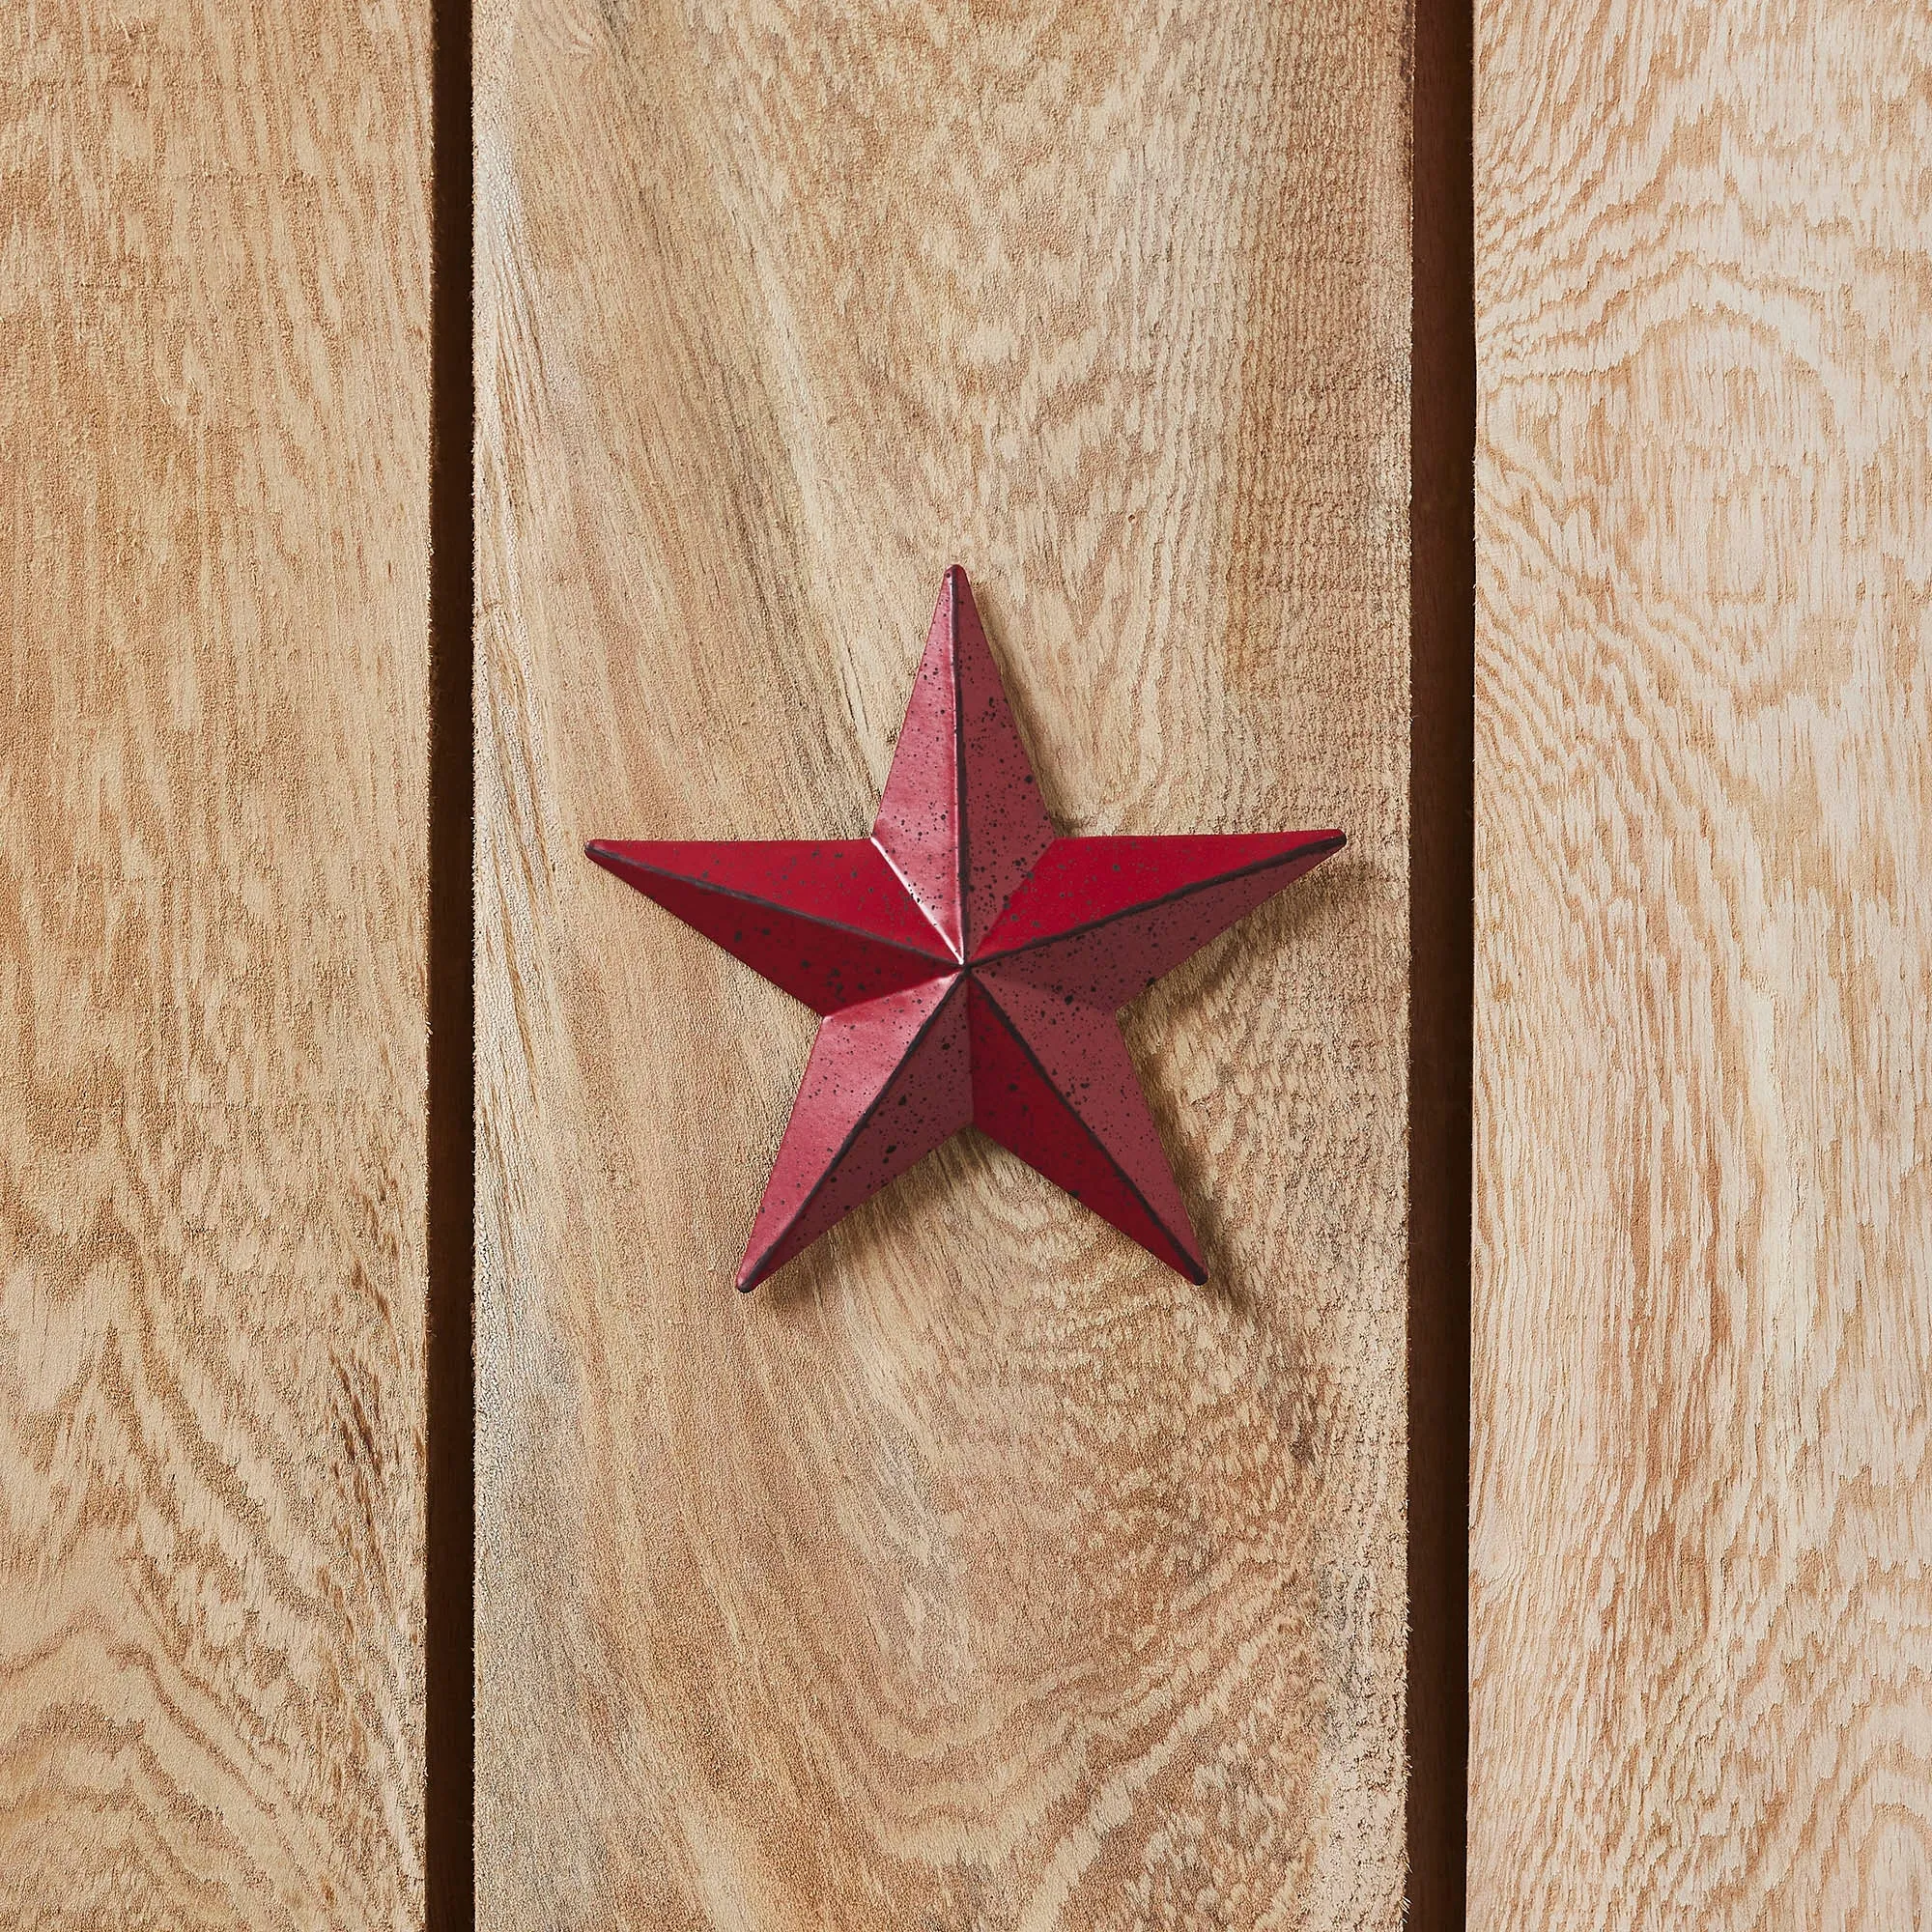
pixel 1701 1641
pixel 214 294
pixel 975 1571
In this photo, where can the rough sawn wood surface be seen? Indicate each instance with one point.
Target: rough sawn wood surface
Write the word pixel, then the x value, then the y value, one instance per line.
pixel 1702 1543
pixel 214 578
pixel 977 1570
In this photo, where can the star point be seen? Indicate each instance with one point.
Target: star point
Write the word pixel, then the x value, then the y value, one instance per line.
pixel 966 962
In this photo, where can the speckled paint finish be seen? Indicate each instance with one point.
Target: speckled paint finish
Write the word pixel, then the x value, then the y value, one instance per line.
pixel 1102 919
pixel 1003 827
pixel 917 829
pixel 885 1083
pixel 829 921
pixel 968 964
pixel 1052 1083
pixel 961 815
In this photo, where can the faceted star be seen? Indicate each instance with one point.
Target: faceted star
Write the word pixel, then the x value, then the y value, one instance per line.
pixel 967 963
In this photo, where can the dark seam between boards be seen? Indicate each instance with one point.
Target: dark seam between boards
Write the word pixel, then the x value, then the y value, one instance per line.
pixel 1442 605
pixel 449 1393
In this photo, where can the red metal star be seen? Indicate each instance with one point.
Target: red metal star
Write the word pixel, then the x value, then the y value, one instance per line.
pixel 968 963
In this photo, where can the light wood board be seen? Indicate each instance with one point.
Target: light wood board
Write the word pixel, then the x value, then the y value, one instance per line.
pixel 976 1572
pixel 213 407
pixel 1702 1543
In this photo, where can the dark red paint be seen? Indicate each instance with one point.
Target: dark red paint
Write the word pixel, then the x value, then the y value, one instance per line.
pixel 968 963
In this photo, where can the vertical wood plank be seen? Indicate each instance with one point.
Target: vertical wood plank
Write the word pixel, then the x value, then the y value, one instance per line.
pixel 213 403
pixel 1702 1543
pixel 977 1570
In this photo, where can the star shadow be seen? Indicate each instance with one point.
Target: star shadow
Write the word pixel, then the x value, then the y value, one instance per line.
pixel 1185 1003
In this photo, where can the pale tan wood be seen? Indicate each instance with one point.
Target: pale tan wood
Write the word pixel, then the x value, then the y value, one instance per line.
pixel 977 1572
pixel 1702 1544
pixel 213 299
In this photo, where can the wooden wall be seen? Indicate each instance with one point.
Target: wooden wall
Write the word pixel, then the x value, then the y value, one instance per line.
pixel 213 408
pixel 1701 1552
pixel 977 1570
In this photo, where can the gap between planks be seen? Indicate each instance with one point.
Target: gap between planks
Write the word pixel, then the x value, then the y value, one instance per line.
pixel 450 1546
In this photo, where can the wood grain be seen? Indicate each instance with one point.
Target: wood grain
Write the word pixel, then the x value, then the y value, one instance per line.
pixel 977 1572
pixel 213 403
pixel 1702 1547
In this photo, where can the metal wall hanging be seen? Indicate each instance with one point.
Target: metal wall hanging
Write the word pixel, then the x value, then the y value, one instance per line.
pixel 968 963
